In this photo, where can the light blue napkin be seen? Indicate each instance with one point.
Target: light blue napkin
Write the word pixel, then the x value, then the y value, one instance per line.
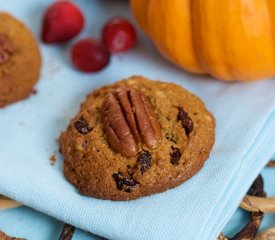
pixel 27 223
pixel 198 209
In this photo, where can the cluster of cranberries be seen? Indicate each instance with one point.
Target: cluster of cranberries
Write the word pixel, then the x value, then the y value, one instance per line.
pixel 63 21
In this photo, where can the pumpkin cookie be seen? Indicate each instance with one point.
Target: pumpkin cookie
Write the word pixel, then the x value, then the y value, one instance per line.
pixel 3 236
pixel 135 138
pixel 19 60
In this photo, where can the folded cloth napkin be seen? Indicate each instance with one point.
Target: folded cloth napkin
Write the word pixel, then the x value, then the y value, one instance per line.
pixel 199 208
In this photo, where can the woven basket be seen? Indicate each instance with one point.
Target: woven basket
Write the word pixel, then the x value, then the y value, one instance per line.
pixel 257 204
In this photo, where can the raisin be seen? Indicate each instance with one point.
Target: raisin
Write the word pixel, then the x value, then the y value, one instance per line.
pixel 125 183
pixel 130 182
pixel 82 126
pixel 186 121
pixel 145 161
pixel 175 155
pixel 119 180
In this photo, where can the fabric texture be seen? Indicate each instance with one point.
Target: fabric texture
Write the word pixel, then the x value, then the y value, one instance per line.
pixel 199 208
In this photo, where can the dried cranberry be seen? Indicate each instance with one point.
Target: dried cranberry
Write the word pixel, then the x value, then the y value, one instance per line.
pixel 118 35
pixel 186 121
pixel 145 161
pixel 90 55
pixel 82 126
pixel 175 155
pixel 125 183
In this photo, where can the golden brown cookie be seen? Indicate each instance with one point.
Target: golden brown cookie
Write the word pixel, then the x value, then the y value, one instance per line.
pixel 135 138
pixel 20 60
pixel 3 236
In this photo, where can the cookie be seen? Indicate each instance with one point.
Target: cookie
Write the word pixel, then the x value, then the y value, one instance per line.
pixel 135 138
pixel 3 236
pixel 20 60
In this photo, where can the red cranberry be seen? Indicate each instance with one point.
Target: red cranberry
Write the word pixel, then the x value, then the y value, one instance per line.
pixel 119 35
pixel 90 55
pixel 62 21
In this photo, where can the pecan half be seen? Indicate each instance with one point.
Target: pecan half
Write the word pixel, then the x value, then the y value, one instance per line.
pixel 129 119
pixel 6 48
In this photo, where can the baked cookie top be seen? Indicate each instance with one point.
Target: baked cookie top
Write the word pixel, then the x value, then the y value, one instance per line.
pixel 135 138
pixel 20 60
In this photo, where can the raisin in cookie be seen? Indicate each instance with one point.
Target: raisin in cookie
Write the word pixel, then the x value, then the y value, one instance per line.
pixel 135 138
pixel 19 60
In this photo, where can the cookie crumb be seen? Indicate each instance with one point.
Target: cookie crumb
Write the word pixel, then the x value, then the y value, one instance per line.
pixel 34 91
pixel 53 159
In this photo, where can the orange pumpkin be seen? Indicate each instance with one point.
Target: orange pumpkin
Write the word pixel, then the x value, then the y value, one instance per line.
pixel 228 39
